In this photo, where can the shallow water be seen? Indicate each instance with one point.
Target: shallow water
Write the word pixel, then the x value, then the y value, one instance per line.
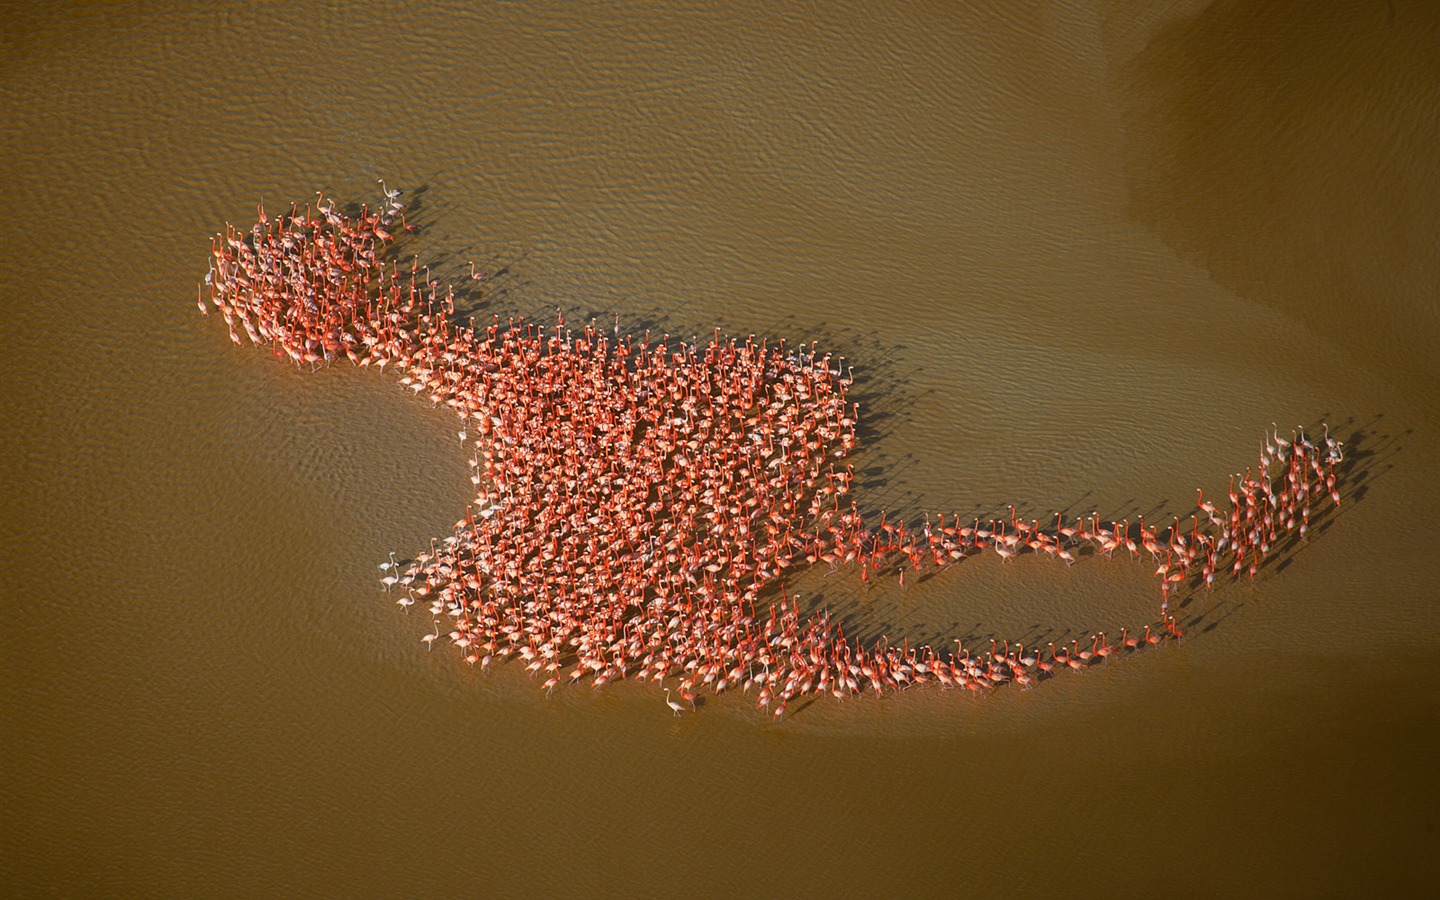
pixel 1080 258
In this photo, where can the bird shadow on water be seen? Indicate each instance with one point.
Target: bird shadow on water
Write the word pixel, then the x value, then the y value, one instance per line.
pixel 479 284
pixel 1369 454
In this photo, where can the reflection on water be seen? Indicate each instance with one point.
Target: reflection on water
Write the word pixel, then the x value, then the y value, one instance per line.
pixel 1080 255
pixel 1330 215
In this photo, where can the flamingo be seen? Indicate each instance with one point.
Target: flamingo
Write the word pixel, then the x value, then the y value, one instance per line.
pixel 673 704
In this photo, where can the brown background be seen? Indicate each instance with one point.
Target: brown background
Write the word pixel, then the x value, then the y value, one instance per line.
pixel 1080 257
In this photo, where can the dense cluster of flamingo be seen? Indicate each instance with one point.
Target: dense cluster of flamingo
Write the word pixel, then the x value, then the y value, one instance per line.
pixel 638 502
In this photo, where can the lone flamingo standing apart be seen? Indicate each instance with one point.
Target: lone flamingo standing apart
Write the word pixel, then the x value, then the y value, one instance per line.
pixel 673 704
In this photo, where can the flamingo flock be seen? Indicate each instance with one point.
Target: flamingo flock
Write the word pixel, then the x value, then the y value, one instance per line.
pixel 637 503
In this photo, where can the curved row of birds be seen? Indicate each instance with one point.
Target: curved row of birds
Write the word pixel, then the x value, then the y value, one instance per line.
pixel 638 503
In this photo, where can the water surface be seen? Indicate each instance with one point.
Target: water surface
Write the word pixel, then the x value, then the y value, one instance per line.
pixel 1080 257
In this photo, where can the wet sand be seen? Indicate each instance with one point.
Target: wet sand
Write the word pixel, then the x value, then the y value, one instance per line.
pixel 1080 260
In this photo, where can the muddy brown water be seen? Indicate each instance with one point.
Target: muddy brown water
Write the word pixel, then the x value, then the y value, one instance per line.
pixel 1080 257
